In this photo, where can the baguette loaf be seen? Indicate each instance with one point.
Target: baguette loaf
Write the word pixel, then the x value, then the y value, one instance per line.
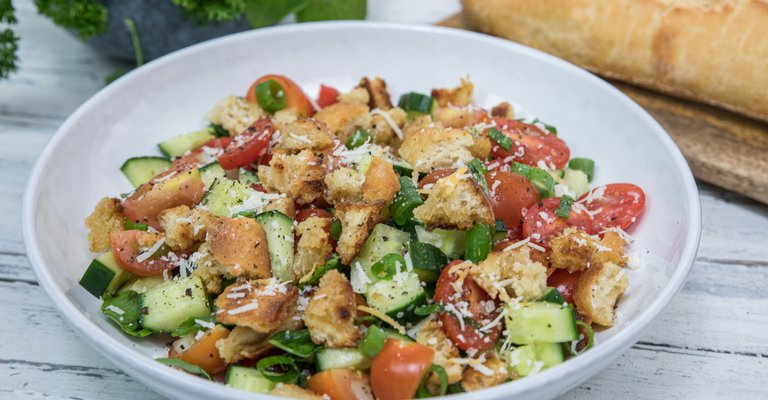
pixel 713 51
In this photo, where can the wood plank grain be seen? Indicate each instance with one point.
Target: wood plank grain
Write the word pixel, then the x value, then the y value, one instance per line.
pixel 721 147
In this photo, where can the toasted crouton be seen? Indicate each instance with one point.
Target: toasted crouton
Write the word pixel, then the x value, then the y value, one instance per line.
pixel 235 114
pixel 345 118
pixel 434 148
pixel 240 244
pixel 509 274
pixel 575 250
pixel 473 379
pixel 357 221
pixel 459 96
pixel 285 205
pixel 382 130
pixel 330 314
pixel 210 271
pixel 377 93
pixel 294 392
pixel 242 343
pixel 458 205
pixel 503 110
pixel 417 124
pixel 432 334
pixel 356 95
pixel 300 176
pixel 184 227
pixel 344 185
pixel 285 116
pixel 458 117
pixel 305 134
pixel 598 290
pixel 381 181
pixel 314 245
pixel 107 217
pixel 262 305
pixel 482 146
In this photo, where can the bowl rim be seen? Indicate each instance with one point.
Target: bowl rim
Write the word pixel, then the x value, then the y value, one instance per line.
pixel 138 367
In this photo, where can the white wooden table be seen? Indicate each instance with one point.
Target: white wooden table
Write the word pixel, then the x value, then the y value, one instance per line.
pixel 711 343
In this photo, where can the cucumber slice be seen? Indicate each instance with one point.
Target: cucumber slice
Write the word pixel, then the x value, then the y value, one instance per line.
pixel 427 260
pixel 397 297
pixel 104 276
pixel 224 194
pixel 166 306
pixel 383 240
pixel 533 358
pixel 141 284
pixel 248 178
pixel 541 322
pixel 139 170
pixel 248 379
pixel 577 180
pixel 342 358
pixel 178 145
pixel 280 237
pixel 210 172
pixel 450 242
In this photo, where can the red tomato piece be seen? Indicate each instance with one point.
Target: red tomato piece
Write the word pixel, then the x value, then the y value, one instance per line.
pixel 616 205
pixel 310 212
pixel 541 222
pixel 435 176
pixel 397 370
pixel 294 96
pixel 510 193
pixel 460 297
pixel 327 96
pixel 249 146
pixel 530 145
pixel 341 384
pixel 125 247
pixel 564 282
pixel 216 144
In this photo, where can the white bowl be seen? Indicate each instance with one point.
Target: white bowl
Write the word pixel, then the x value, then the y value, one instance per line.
pixel 171 95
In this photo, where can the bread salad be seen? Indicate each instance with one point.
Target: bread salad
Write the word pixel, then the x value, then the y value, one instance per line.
pixel 345 247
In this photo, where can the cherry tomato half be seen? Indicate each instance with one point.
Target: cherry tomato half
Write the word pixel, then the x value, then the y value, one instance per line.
pixel 435 176
pixel 327 96
pixel 509 194
pixel 295 97
pixel 341 384
pixel 397 370
pixel 564 282
pixel 249 146
pixel 617 205
pixel 531 145
pixel 471 299
pixel 309 212
pixel 125 247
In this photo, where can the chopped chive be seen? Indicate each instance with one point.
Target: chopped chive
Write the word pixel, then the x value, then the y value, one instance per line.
pixel 416 102
pixel 478 171
pixel 271 96
pixel 504 141
pixel 359 138
pixel 521 169
pixel 543 181
pixel 564 210
pixel 584 165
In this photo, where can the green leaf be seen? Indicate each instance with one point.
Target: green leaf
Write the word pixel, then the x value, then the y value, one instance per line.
pixel 332 263
pixel 269 12
pixel 191 368
pixel 191 325
pixel 326 10
pixel 298 343
pixel 125 310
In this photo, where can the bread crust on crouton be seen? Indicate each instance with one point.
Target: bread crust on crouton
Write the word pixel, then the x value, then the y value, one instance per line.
pixel 381 182
pixel 432 334
pixel 285 205
pixel 433 148
pixel 314 245
pixel 482 146
pixel 503 110
pixel 260 304
pixel 598 290
pixel 344 185
pixel 330 314
pixel 357 221
pixel 107 217
pixel 294 392
pixel 382 131
pixel 242 343
pixel 235 114
pixel 345 118
pixel 575 250
pixel 299 176
pixel 210 271
pixel 305 134
pixel 510 274
pixel 240 244
pixel 458 206
pixel 377 93
pixel 459 96
pixel 184 227
pixel 473 379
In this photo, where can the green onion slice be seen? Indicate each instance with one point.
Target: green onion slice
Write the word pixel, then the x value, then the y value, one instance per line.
pixel 129 225
pixel 521 169
pixel 479 243
pixel 439 371
pixel 388 266
pixel 504 141
pixel 478 171
pixel 564 210
pixel 549 127
pixel 590 339
pixel 405 201
pixel 268 367
pixel 584 165
pixel 359 138
pixel 416 102
pixel 373 341
pixel 543 181
pixel 191 368
pixel 335 229
pixel 271 96
pixel 428 309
